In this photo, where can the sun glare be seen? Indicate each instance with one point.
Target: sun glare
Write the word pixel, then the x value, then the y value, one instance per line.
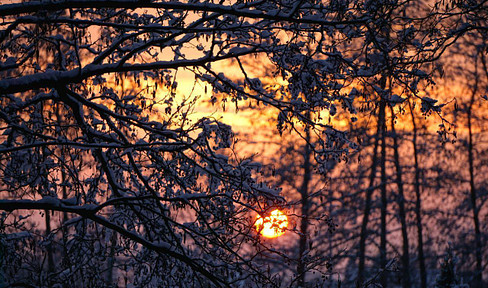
pixel 272 226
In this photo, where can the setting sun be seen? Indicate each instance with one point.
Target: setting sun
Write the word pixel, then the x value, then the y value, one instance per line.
pixel 272 226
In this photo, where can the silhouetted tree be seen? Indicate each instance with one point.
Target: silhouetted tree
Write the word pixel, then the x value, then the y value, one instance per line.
pixel 96 135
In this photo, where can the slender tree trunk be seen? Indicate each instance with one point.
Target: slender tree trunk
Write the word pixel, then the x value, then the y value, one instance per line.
pixel 66 261
pixel 111 259
pixel 367 209
pixel 301 267
pixel 65 231
pixel 479 270
pixel 418 204
pixel 401 206
pixel 49 248
pixel 384 201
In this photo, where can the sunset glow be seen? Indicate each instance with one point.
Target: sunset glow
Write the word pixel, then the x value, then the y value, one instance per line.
pixel 272 226
pixel 178 143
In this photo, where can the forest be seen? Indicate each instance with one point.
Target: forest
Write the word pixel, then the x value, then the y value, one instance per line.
pixel 244 143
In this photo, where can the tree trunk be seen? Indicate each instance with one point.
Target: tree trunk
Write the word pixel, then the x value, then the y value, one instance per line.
pixel 66 261
pixel 367 209
pixel 111 259
pixel 301 267
pixel 384 200
pixel 49 249
pixel 418 205
pixel 401 206
pixel 478 280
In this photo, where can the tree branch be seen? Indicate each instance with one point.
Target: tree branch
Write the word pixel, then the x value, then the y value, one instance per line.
pixel 88 211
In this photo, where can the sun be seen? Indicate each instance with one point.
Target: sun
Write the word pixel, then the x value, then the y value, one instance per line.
pixel 272 226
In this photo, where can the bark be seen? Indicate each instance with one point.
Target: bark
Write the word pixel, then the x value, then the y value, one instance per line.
pixel 384 203
pixel 111 259
pixel 49 246
pixel 301 267
pixel 367 209
pixel 418 205
pixel 65 218
pixel 49 249
pixel 401 205
pixel 478 280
